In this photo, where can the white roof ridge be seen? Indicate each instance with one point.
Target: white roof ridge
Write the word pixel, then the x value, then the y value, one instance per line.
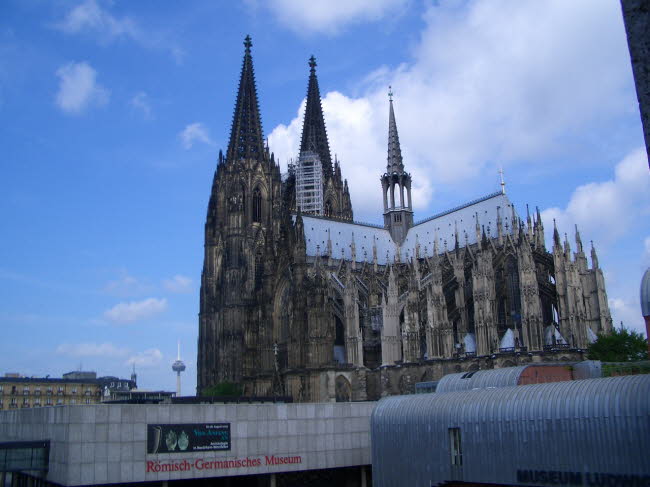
pixel 460 207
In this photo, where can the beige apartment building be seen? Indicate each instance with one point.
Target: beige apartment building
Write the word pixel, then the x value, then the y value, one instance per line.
pixel 17 391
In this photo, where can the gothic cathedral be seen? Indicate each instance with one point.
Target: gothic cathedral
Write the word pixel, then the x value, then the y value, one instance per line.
pixel 299 299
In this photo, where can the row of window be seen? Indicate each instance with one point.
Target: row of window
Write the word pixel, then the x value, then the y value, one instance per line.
pixel 48 391
pixel 37 403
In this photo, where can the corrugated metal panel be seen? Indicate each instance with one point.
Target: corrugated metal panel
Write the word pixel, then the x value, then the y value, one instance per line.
pixel 584 428
pixel 587 369
pixel 480 379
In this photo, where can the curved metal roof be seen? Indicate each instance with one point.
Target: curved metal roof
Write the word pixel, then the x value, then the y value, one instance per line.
pixel 594 425
pixel 480 379
pixel 645 293
pixel 578 398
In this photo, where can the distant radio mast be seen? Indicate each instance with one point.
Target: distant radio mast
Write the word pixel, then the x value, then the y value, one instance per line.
pixel 178 366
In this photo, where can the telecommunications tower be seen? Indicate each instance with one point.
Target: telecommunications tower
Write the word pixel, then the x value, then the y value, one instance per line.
pixel 178 366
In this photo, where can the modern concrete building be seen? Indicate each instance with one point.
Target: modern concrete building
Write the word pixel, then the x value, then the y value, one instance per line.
pixel 244 444
pixel 325 444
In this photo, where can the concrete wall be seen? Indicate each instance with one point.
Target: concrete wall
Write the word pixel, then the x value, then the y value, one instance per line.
pixel 100 444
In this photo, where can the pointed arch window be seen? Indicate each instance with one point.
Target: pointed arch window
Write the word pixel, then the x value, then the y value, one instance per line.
pixel 328 208
pixel 514 297
pixel 259 268
pixel 243 198
pixel 257 205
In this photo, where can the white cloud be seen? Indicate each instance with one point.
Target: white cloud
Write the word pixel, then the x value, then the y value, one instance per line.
pixel 178 284
pixel 330 16
pixel 88 16
pixel 126 286
pixel 627 311
pixel 285 139
pixel 91 19
pixel 135 310
pixel 194 132
pixel 78 88
pixel 606 210
pixel 148 358
pixel 482 87
pixel 91 350
pixel 140 101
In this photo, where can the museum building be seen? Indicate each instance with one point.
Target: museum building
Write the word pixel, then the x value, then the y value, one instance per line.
pixel 208 444
pixel 504 426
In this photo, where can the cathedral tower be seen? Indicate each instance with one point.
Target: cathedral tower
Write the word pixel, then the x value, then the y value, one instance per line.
pixel 314 135
pixel 242 220
pixel 320 189
pixel 398 211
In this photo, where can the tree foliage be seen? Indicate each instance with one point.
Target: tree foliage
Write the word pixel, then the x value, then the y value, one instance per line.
pixel 223 389
pixel 621 345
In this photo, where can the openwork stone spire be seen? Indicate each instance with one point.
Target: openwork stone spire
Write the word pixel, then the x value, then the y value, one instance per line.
pixel 395 164
pixel 314 134
pixel 246 140
pixel 396 184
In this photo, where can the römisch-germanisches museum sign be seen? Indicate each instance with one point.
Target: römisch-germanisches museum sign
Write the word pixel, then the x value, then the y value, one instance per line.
pixel 179 438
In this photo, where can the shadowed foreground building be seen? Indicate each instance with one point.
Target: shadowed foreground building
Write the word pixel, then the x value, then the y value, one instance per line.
pixel 299 299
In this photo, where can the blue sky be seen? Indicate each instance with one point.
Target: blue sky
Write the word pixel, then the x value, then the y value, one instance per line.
pixel 113 114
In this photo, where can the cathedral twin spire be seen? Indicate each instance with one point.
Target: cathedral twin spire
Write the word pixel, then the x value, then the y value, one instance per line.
pixel 246 139
pixel 314 134
pixel 246 136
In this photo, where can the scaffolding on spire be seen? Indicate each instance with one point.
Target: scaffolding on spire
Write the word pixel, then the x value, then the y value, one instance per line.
pixel 309 183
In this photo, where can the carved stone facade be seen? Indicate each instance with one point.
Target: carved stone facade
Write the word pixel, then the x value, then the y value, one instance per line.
pixel 323 308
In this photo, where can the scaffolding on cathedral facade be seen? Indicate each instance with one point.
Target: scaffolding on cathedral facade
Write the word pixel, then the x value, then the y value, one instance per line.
pixel 309 183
